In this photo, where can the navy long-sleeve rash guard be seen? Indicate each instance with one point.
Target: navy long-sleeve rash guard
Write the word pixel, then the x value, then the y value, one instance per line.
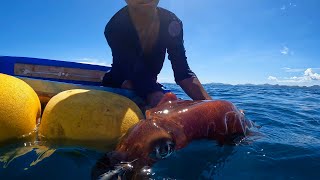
pixel 131 63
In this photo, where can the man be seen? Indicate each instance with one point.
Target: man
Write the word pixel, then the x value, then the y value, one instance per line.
pixel 139 36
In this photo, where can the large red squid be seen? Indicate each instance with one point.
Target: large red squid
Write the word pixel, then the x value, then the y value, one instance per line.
pixel 170 126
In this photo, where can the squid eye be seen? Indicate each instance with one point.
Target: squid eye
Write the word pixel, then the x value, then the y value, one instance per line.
pixel 162 149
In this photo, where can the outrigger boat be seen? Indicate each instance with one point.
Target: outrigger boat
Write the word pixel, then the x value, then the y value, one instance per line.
pixel 50 77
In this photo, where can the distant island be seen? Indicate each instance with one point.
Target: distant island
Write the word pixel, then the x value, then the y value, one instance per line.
pixel 266 85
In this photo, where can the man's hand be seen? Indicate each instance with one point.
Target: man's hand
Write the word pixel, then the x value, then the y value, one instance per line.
pixel 154 98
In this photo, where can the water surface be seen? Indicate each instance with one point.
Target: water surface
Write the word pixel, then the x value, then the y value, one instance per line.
pixel 287 146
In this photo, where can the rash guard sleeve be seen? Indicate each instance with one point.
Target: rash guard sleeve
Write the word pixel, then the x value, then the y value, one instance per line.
pixel 177 53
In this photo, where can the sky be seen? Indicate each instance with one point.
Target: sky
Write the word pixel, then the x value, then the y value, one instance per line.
pixel 226 41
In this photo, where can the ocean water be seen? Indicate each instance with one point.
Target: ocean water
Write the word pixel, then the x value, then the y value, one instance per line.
pixel 286 144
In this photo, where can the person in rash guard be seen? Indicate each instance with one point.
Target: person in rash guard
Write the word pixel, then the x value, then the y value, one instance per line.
pixel 139 36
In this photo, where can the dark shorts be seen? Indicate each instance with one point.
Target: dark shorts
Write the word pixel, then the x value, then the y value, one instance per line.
pixel 142 87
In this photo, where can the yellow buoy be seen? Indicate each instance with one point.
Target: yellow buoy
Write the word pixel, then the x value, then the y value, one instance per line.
pixel 88 115
pixel 19 108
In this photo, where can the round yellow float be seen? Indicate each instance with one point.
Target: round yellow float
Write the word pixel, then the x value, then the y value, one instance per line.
pixel 19 108
pixel 88 115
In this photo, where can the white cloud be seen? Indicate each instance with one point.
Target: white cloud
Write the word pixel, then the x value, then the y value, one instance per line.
pixel 272 78
pixel 285 50
pixel 93 61
pixel 287 6
pixel 286 69
pixel 308 76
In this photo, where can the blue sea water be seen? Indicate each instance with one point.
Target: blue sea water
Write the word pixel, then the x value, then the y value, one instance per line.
pixel 286 146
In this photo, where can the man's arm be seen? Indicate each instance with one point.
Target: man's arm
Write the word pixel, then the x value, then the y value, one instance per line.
pixel 193 88
pixel 182 72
